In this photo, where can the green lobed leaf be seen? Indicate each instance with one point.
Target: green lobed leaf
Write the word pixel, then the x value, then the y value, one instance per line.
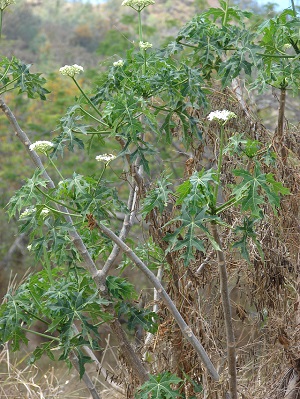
pixel 160 387
pixel 255 188
pixel 191 226
pixel 138 317
pixel 158 197
pixel 120 288
pixel 247 231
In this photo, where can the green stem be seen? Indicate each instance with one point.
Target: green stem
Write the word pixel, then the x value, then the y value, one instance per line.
pixel 188 45
pixel 6 91
pixel 102 173
pixel 140 26
pixel 294 45
pixel 5 72
pixel 89 101
pixel 143 51
pixel 92 133
pixel 9 83
pixel 226 205
pixel 220 160
pixel 225 18
pixel 62 213
pixel 1 17
pixel 48 266
pixel 32 314
pixel 276 55
pixel 42 335
pixel 145 61
pixel 53 164
pixel 55 200
pixel 294 8
pixel 90 115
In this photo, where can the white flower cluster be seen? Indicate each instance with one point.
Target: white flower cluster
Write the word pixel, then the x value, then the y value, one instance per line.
pixel 6 3
pixel 27 212
pixel 105 158
pixel 41 146
pixel 30 211
pixel 119 63
pixel 71 70
pixel 138 4
pixel 145 45
pixel 44 212
pixel 223 115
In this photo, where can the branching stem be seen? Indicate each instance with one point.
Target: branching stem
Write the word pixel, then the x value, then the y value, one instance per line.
pixel 89 102
pixel 186 331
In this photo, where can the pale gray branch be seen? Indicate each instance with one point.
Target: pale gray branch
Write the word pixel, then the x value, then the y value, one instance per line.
pixel 186 330
pixel 88 382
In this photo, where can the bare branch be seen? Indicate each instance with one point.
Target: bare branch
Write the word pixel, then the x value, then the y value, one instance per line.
pixel 88 382
pixel 186 331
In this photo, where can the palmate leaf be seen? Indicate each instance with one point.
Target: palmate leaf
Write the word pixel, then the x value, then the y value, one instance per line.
pixel 12 315
pixel 159 387
pixel 233 13
pixel 158 197
pixel 190 243
pixel 69 126
pixel 189 229
pixel 140 153
pixel 255 188
pixel 16 72
pixel 247 231
pixel 77 184
pixel 120 288
pixel 45 347
pixel 234 65
pixel 124 111
pixel 136 317
pixel 27 195
pixel 82 360
pixel 197 191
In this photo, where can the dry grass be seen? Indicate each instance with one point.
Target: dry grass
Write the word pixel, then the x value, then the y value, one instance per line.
pixel 18 380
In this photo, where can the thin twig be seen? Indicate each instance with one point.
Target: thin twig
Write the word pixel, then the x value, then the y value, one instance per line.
pixel 149 336
pixel 127 223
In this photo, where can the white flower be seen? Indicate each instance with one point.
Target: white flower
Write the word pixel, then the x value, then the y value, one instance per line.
pixel 119 63
pixel 145 45
pixel 44 212
pixel 105 158
pixel 71 70
pixel 41 146
pixel 224 115
pixel 138 4
pixel 27 212
pixel 6 3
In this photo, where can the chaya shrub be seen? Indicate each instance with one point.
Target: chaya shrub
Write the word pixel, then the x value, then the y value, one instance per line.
pixel 199 201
